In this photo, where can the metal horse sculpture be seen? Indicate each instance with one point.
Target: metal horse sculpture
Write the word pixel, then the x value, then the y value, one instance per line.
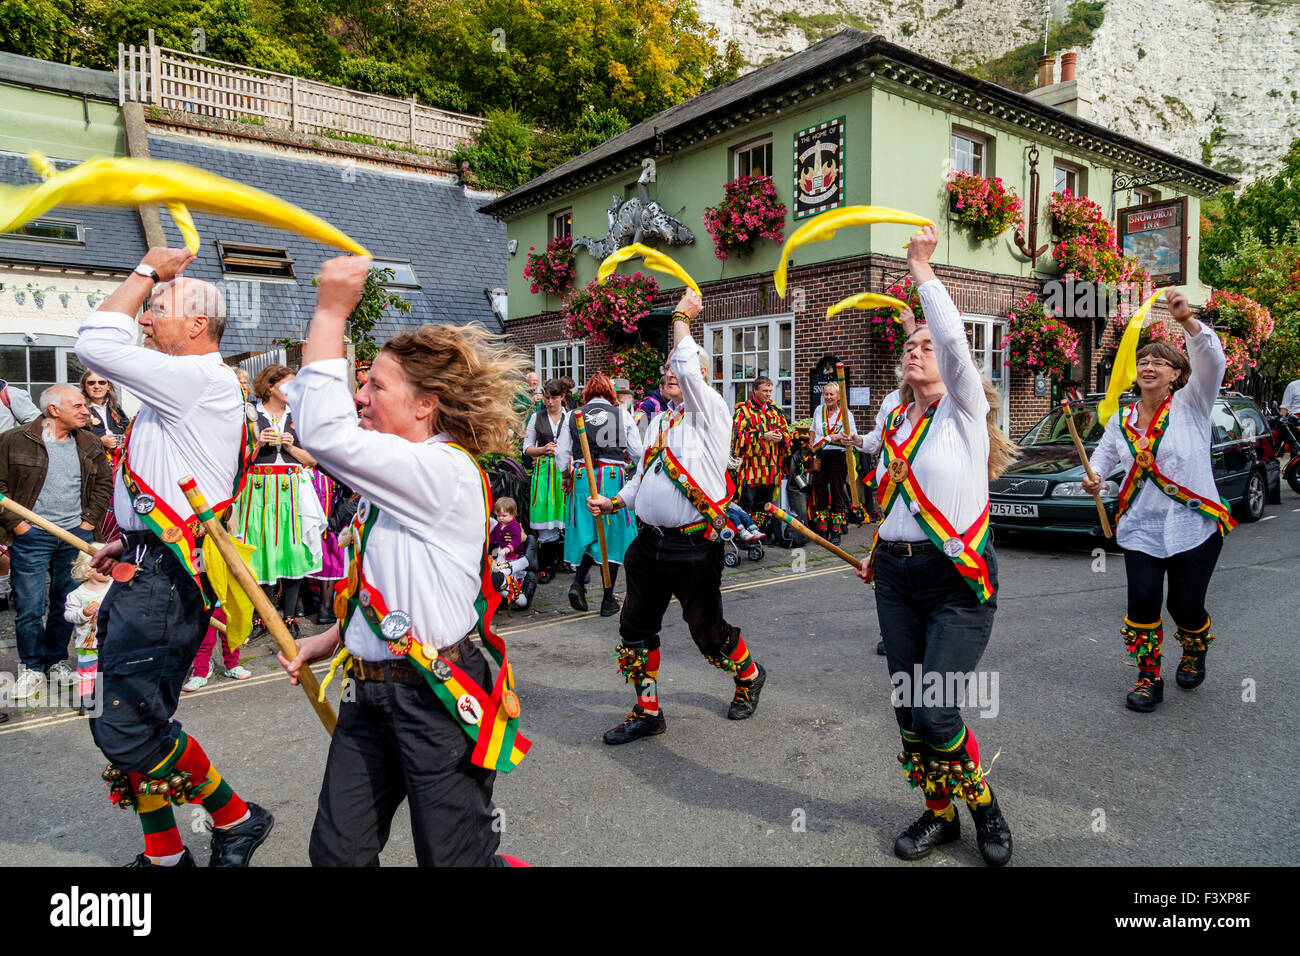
pixel 634 220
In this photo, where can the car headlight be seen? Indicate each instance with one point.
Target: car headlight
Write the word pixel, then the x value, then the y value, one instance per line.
pixel 1074 489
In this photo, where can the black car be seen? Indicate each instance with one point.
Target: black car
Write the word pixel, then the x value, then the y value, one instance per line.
pixel 1043 490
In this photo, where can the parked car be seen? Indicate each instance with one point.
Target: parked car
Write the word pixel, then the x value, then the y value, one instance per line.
pixel 1043 491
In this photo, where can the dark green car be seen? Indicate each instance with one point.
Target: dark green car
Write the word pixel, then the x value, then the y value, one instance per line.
pixel 1043 491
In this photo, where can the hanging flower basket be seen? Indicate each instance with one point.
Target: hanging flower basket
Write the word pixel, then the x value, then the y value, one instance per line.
pixel 609 311
pixel 1036 341
pixel 884 325
pixel 1161 330
pixel 749 211
pixel 553 270
pixel 1088 248
pixel 640 365
pixel 983 206
pixel 1238 356
pixel 1240 316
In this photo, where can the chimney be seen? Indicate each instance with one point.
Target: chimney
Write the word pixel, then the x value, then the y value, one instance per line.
pixel 1071 95
pixel 1046 69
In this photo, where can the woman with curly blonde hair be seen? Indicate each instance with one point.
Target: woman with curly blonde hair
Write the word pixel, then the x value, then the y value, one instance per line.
pixel 436 398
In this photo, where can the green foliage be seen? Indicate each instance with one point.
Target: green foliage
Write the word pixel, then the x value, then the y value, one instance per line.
pixel 39 28
pixel 1266 209
pixel 375 298
pixel 1018 68
pixel 501 156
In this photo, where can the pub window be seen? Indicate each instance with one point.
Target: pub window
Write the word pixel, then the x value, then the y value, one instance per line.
pixel 1068 176
pixel 64 231
pixel 752 159
pixel 259 261
pixel 1143 196
pixel 970 152
pixel 562 223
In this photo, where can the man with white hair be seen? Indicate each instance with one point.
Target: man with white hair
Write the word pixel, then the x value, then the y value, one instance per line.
pixel 679 491
pixel 151 622
pixel 60 472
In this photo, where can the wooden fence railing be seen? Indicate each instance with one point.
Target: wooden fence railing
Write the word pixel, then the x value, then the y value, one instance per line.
pixel 188 83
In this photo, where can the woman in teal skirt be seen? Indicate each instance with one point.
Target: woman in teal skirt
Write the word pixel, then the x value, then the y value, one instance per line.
pixel 615 445
pixel 278 500
pixel 546 506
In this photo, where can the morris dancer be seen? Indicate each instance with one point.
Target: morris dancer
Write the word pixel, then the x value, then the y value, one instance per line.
pixel 679 491
pixel 420 723
pixel 831 431
pixel 1171 519
pixel 614 440
pixel 191 423
pixel 933 561
pixel 762 440
pixel 547 499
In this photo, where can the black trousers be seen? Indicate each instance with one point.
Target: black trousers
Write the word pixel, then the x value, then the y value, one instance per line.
pixel 397 741
pixel 754 497
pixel 830 497
pixel 929 616
pixel 686 567
pixel 1189 579
pixel 150 629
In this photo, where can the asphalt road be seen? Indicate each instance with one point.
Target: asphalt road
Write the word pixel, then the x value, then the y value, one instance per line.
pixel 812 778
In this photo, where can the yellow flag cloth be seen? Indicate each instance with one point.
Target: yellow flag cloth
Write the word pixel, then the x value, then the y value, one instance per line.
pixel 236 604
pixel 1124 373
pixel 824 227
pixel 868 300
pixel 137 182
pixel 654 259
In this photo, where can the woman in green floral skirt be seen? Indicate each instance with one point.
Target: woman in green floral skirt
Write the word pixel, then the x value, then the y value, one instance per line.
pixel 546 506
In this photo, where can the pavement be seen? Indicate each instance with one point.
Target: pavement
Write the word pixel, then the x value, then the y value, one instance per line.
pixel 812 778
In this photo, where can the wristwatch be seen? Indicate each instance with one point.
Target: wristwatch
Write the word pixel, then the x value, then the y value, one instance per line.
pixel 149 272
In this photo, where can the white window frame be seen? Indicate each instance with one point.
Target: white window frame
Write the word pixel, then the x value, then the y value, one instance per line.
pixel 575 367
pixel 80 239
pixel 743 148
pixel 1144 195
pixel 988 349
pixel 1080 187
pixel 65 361
pixel 396 282
pixel 557 221
pixel 735 387
pixel 975 140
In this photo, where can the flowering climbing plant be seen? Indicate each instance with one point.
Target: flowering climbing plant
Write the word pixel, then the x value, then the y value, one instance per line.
pixel 984 206
pixel 608 310
pixel 553 270
pixel 749 211
pixel 640 365
pixel 1038 341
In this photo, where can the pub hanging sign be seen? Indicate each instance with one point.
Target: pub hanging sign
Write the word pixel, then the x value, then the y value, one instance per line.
pixel 819 168
pixel 1156 235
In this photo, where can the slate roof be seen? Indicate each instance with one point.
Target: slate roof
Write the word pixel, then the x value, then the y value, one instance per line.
pixel 114 240
pixel 455 253
pixel 797 77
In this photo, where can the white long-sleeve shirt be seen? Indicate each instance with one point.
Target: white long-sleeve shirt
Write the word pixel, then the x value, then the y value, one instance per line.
pixel 1291 398
pixel 565 452
pixel 1155 524
pixel 821 428
pixel 191 421
pixel 871 440
pixel 425 551
pixel 701 442
pixel 560 428
pixel 951 465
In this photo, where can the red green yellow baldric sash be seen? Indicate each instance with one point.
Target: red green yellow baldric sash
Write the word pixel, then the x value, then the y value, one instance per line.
pixel 1144 448
pixel 827 426
pixel 660 457
pixel 177 533
pixel 964 550
pixel 490 720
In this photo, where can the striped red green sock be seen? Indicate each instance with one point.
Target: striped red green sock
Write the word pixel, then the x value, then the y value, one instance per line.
pixel 217 796
pixel 161 838
pixel 746 669
pixel 647 694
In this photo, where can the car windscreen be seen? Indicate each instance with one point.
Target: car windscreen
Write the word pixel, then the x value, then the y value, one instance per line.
pixel 1052 429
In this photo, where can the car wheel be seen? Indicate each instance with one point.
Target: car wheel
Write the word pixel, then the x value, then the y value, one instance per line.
pixel 1251 506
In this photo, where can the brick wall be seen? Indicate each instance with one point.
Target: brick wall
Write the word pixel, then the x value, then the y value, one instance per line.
pixel 846 336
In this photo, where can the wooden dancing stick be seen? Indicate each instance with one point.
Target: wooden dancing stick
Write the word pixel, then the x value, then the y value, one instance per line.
pixel 813 536
pixel 270 616
pixel 591 489
pixel 850 453
pixel 1068 411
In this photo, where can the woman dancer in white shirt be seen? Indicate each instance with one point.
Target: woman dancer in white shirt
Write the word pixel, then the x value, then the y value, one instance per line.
pixel 934 566
pixel 1171 519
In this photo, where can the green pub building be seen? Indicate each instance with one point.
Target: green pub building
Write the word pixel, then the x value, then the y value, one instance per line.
pixel 852 120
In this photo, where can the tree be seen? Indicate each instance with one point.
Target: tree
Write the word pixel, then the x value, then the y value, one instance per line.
pixel 1267 208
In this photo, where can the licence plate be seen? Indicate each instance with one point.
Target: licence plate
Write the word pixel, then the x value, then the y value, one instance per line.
pixel 1012 509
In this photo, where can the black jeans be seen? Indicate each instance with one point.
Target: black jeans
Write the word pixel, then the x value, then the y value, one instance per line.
pixel 686 567
pixel 1189 579
pixel 929 616
pixel 397 741
pixel 149 631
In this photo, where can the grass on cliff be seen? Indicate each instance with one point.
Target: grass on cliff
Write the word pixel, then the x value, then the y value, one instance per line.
pixel 1018 69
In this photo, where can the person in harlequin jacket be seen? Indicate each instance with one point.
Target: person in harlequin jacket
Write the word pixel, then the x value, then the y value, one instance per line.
pixel 762 439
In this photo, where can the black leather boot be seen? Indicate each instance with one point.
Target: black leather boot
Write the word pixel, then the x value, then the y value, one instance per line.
pixel 636 725
pixel 928 832
pixel 991 832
